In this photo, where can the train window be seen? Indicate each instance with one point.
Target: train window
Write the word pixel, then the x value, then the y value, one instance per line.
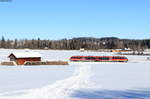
pixel 91 58
pixel 104 58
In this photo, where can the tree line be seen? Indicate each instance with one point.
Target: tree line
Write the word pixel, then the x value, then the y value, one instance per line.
pixel 87 43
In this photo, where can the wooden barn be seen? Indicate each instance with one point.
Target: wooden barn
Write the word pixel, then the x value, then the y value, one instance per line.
pixel 21 57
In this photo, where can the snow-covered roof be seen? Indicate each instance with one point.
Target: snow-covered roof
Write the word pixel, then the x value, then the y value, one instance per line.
pixel 26 54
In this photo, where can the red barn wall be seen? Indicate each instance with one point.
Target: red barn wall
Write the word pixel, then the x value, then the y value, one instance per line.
pixel 21 61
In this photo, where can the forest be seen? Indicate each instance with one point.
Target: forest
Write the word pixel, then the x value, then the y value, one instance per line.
pixel 87 43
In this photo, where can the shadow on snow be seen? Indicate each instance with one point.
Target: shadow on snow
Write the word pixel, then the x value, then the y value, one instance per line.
pixel 112 94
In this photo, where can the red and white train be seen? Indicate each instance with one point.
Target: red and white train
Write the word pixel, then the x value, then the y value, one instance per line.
pixel 99 58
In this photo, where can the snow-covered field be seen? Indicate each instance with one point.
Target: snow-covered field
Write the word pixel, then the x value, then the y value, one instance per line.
pixel 76 81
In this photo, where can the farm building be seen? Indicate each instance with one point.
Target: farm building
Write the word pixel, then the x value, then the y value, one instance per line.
pixel 21 57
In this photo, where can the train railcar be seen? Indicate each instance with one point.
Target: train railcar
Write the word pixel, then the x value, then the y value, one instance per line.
pixel 99 58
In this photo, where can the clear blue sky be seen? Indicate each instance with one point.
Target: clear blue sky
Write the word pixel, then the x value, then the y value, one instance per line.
pixel 56 19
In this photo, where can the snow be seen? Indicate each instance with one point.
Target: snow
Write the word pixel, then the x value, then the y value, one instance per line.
pixel 100 80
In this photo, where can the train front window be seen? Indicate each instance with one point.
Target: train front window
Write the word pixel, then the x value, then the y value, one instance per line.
pixel 119 58
pixel 76 57
pixel 116 57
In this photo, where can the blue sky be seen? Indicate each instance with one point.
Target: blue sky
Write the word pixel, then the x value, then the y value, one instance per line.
pixel 57 19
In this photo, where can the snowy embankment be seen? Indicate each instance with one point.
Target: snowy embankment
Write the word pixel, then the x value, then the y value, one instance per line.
pixel 78 80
